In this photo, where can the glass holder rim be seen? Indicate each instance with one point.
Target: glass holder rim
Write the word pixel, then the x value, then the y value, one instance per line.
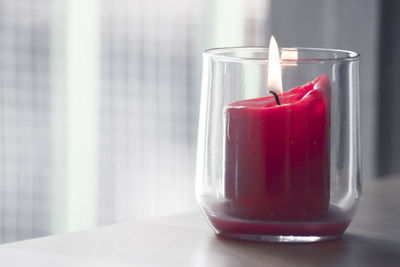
pixel 218 54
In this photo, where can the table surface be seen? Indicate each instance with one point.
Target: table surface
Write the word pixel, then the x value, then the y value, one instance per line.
pixel 373 239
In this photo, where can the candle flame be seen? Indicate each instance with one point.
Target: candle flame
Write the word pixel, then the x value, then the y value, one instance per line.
pixel 274 67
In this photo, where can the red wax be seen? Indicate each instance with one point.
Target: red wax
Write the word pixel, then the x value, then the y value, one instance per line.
pixel 276 157
pixel 331 226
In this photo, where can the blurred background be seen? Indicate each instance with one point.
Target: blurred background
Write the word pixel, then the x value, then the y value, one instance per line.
pixel 99 99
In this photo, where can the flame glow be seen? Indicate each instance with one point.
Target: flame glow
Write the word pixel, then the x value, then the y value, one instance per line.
pixel 274 67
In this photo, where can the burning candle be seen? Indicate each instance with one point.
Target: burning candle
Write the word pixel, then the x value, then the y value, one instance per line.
pixel 264 169
pixel 276 157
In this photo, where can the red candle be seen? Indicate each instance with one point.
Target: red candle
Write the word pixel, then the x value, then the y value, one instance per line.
pixel 276 157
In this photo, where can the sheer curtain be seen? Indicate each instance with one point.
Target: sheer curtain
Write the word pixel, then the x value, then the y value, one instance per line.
pixel 25 135
pixel 148 100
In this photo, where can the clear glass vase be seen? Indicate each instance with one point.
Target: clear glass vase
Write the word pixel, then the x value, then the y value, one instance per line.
pixel 282 168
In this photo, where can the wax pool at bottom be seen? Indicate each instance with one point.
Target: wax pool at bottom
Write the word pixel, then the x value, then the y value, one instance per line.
pixel 333 223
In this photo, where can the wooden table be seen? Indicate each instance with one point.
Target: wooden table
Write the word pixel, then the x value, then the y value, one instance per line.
pixel 373 239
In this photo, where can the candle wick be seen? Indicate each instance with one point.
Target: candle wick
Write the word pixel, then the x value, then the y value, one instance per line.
pixel 276 96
